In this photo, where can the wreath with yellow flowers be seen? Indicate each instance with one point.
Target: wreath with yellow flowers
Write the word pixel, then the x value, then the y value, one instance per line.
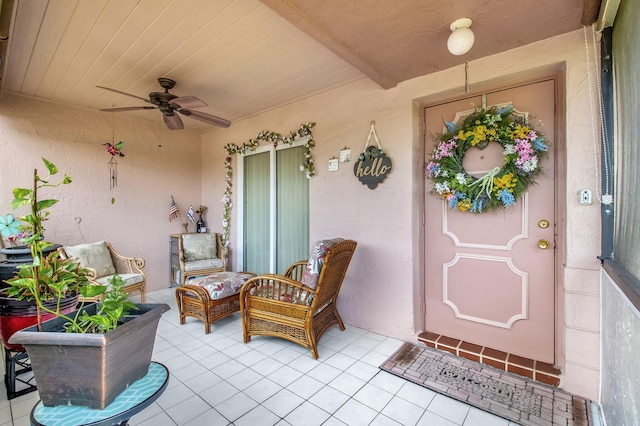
pixel 523 147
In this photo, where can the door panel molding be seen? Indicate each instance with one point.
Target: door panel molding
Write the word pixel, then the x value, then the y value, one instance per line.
pixel 520 310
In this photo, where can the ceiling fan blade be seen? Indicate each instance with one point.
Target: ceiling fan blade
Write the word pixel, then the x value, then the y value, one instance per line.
pixel 189 102
pixel 173 121
pixel 127 108
pixel 207 118
pixel 124 93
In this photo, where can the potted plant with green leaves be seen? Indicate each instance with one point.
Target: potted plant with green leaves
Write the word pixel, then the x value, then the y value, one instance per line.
pixel 89 356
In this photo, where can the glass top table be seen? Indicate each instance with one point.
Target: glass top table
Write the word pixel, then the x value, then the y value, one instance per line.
pixel 138 396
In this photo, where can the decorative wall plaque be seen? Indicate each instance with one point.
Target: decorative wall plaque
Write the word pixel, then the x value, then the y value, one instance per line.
pixel 373 165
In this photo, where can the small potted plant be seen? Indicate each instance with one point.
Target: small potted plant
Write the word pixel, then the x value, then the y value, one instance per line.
pixel 89 356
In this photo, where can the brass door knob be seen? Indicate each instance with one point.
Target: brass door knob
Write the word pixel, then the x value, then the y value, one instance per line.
pixel 543 244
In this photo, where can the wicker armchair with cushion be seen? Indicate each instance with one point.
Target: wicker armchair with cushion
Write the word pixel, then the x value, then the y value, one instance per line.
pixel 201 254
pixel 298 310
pixel 104 261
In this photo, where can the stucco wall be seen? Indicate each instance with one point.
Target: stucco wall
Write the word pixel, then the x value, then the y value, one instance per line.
pixel 157 164
pixel 378 293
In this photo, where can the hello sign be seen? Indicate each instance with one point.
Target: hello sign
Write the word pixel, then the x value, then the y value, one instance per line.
pixel 373 166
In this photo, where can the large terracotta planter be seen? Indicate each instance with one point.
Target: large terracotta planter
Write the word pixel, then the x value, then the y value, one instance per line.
pixel 90 369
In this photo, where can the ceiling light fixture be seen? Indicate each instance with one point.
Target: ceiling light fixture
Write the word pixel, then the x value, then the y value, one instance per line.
pixel 461 39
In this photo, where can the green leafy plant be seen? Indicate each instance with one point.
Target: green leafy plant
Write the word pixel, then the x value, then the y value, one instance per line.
pixel 53 278
pixel 114 307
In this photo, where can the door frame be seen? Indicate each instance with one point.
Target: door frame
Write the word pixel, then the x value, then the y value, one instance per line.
pixel 298 141
pixel 556 73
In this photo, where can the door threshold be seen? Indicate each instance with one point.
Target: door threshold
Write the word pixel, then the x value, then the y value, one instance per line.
pixel 536 370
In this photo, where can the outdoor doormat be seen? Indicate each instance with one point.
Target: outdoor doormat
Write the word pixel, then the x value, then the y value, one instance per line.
pixel 504 394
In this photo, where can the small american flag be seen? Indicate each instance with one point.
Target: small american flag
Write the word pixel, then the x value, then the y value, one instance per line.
pixel 190 214
pixel 173 210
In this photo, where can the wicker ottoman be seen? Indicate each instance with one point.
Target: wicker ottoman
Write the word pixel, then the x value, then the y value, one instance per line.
pixel 211 297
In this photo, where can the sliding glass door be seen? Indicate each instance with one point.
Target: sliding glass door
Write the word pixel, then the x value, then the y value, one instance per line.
pixel 275 210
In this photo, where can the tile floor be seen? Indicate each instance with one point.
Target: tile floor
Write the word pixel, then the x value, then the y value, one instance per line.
pixel 216 379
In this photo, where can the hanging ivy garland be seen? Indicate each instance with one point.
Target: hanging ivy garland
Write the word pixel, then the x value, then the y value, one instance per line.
pixel 523 147
pixel 265 136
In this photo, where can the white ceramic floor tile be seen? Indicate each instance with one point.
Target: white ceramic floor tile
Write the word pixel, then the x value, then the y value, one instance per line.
pixel 329 399
pixel 478 417
pixel 219 393
pixel 187 410
pixel 307 414
pixel 362 370
pixel 347 383
pixel 283 402
pixel 355 413
pixel 161 419
pixel 251 358
pixel 203 382
pixel 209 418
pixel 303 364
pixel 388 382
pixel 416 394
pixel 324 373
pixel 245 378
pixel 373 397
pixel 174 395
pixel 228 369
pixel 432 419
pixel 340 361
pixel 285 375
pixel 382 420
pixel 262 390
pixel 257 416
pixel 305 386
pixel 236 406
pixel 449 408
pixel 403 411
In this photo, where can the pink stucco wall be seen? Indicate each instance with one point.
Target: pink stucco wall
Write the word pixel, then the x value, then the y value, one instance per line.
pixel 382 287
pixel 157 164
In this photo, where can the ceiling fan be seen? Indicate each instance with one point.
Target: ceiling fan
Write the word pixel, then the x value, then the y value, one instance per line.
pixel 169 104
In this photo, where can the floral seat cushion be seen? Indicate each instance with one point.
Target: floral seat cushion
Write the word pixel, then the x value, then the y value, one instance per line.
pixel 221 284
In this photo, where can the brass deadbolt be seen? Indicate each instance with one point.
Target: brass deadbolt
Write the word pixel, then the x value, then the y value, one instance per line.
pixel 544 224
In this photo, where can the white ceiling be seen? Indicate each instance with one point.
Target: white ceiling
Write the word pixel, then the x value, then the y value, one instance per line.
pixel 240 56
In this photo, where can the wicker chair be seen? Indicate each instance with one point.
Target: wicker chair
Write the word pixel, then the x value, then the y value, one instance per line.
pixel 201 254
pixel 282 306
pixel 103 261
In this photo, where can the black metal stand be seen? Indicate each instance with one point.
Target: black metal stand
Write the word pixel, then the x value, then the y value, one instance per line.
pixel 17 364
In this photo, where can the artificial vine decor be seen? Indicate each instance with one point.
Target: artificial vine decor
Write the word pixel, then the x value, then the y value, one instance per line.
pixel 265 136
pixel 502 186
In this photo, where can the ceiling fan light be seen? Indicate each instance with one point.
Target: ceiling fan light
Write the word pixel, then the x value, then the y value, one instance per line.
pixel 461 38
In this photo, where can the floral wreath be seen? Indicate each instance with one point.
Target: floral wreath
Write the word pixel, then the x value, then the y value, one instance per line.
pixel 501 187
pixel 307 167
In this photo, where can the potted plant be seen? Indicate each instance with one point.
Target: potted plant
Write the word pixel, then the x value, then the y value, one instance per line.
pixel 98 350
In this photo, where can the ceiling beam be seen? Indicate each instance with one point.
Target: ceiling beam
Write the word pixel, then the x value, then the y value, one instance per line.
pixel 300 19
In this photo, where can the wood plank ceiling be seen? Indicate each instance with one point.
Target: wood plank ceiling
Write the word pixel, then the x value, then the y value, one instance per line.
pixel 243 57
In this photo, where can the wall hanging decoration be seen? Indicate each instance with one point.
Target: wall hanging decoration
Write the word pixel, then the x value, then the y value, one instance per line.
pixel 523 147
pixel 308 167
pixel 345 155
pixel 333 164
pixel 373 166
pixel 115 149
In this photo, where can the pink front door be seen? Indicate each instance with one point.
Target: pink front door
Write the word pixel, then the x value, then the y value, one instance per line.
pixel 490 280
